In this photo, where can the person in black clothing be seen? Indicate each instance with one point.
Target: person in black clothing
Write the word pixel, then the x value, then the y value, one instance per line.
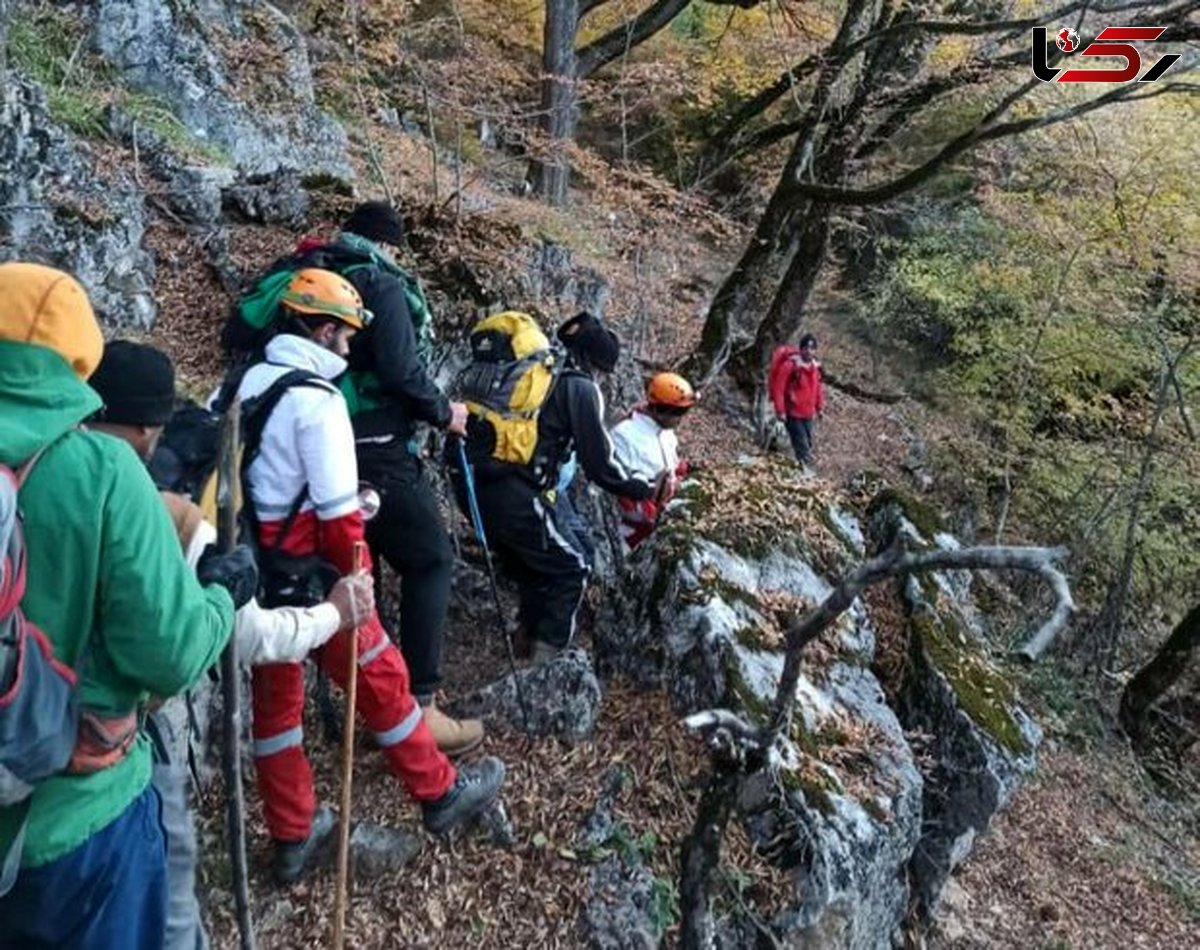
pixel 518 506
pixel 392 394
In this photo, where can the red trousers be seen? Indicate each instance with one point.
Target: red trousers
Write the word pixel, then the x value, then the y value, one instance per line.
pixel 386 705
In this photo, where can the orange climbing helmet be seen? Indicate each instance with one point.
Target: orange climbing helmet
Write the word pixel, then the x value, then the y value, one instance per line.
pixel 324 293
pixel 670 389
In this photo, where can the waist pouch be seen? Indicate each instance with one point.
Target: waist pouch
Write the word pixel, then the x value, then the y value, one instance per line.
pixel 101 741
pixel 288 580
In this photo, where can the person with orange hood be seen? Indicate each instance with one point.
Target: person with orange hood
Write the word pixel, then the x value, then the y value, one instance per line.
pixel 107 583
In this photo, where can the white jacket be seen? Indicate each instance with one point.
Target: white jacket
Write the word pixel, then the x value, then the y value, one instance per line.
pixel 303 439
pixel 645 448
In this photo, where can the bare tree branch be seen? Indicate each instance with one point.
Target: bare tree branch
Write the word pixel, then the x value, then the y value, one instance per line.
pixel 768 96
pixel 738 748
pixel 981 132
pixel 602 51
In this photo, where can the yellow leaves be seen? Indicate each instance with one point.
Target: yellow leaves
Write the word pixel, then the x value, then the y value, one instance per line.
pixel 951 51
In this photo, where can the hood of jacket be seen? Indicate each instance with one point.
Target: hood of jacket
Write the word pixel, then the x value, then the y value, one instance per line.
pixel 40 399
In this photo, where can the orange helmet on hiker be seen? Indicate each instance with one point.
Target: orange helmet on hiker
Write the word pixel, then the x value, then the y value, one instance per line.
pixel 671 389
pixel 323 293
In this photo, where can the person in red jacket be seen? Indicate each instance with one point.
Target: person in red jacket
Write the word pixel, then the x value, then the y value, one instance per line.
pixel 797 393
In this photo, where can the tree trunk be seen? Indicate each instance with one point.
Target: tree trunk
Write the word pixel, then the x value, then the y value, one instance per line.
pixel 550 174
pixel 783 319
pixel 699 857
pixel 6 10
pixel 1154 679
pixel 1107 638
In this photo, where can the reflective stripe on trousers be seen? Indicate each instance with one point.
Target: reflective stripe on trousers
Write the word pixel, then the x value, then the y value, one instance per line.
pixel 272 745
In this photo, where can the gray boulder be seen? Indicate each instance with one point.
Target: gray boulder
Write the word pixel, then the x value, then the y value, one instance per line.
pixel 847 808
pixel 562 697
pixel 983 744
pixel 617 913
pixel 56 209
pixel 171 50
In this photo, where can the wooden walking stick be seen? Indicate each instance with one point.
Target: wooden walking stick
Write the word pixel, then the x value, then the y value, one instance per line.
pixel 228 502
pixel 343 856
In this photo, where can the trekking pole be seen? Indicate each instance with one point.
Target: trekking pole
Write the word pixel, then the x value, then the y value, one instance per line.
pixel 228 491
pixel 343 856
pixel 481 536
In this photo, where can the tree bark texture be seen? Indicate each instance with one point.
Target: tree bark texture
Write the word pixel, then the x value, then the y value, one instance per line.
pixel 700 856
pixel 1152 682
pixel 550 174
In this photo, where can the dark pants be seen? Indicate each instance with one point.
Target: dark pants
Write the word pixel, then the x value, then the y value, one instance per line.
pixel 551 572
pixel 800 431
pixel 573 527
pixel 409 534
pixel 110 893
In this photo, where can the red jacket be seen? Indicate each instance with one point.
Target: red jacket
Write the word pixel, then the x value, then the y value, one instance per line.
pixel 795 386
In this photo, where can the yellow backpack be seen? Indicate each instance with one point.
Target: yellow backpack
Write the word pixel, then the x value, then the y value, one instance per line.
pixel 512 369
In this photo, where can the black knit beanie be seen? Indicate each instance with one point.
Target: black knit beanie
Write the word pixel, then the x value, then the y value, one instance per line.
pixel 585 336
pixel 377 221
pixel 137 384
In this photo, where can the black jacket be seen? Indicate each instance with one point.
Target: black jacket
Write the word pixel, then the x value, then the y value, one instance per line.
pixel 573 416
pixel 387 349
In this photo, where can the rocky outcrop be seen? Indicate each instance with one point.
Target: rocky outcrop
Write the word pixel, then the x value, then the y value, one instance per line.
pixel 562 698
pixel 170 50
pixel 981 743
pixel 852 812
pixel 57 208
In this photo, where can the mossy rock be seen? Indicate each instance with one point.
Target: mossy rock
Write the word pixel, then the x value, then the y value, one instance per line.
pixel 923 517
pixel 981 691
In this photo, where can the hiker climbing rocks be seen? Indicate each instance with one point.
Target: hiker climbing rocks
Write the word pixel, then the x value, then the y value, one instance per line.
pixel 517 457
pixel 302 492
pixel 108 586
pixel 389 392
pixel 137 384
pixel 646 443
pixel 794 382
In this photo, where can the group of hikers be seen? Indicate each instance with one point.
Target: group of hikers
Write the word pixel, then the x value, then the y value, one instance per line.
pixel 115 593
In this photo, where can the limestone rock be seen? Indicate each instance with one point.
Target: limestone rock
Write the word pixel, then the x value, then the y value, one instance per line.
pixel 171 50
pixel 562 697
pixel 56 209
pixel 617 913
pixel 376 849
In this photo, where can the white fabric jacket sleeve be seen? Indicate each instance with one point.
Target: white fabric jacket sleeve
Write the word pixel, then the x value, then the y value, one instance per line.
pixel 281 635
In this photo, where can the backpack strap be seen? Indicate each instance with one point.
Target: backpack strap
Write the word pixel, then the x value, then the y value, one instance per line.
pixel 258 411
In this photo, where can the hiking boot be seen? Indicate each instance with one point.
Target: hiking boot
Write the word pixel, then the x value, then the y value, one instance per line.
pixel 296 859
pixel 544 652
pixel 475 788
pixel 455 737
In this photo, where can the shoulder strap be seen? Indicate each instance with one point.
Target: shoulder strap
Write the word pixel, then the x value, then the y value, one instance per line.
pixel 24 470
pixel 256 413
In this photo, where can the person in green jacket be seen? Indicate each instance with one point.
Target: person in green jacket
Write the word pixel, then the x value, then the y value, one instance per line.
pixel 108 585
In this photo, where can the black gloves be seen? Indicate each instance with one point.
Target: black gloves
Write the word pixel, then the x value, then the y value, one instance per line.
pixel 235 571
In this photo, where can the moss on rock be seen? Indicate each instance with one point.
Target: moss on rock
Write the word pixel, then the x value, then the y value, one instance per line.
pixel 982 692
pixel 923 517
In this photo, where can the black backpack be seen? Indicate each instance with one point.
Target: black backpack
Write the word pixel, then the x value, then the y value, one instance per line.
pixel 185 462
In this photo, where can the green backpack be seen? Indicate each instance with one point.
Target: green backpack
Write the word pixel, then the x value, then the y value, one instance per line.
pixel 253 321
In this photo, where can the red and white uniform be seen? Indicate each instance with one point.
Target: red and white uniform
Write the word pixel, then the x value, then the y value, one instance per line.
pixel 308 440
pixel 646 450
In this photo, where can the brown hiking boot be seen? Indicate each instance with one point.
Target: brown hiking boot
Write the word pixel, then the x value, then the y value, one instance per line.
pixel 455 737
